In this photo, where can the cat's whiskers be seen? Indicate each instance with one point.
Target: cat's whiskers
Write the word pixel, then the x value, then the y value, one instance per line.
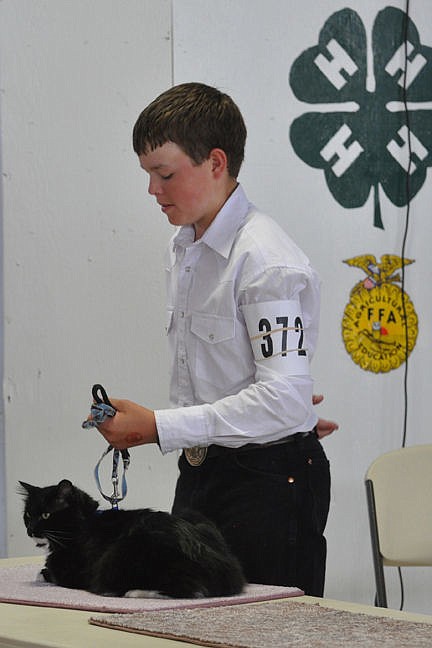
pixel 61 538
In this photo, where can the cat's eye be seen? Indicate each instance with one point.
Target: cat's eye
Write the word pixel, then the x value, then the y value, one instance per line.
pixel 45 516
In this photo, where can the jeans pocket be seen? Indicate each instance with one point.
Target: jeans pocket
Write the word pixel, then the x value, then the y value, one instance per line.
pixel 275 463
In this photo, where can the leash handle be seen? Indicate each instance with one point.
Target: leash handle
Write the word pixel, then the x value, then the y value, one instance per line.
pixel 101 408
pixel 104 396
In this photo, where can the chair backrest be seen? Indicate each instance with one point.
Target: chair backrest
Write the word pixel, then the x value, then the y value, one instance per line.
pixel 402 487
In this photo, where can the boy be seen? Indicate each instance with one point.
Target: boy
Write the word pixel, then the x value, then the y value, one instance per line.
pixel 243 306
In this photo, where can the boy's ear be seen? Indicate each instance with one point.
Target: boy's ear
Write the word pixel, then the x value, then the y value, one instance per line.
pixel 219 161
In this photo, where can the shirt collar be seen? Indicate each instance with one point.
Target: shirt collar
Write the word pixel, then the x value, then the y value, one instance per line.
pixel 221 233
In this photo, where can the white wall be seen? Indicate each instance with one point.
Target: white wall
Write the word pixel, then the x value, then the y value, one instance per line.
pixel 83 241
pixel 247 49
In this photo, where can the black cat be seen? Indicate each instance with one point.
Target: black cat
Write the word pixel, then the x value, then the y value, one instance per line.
pixel 133 553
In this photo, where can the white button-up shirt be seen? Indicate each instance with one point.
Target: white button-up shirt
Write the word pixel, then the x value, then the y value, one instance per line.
pixel 242 323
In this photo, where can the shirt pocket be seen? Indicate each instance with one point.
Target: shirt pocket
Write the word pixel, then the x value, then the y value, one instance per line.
pixel 215 355
pixel 212 328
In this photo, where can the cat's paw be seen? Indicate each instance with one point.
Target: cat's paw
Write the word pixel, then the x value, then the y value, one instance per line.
pixel 44 576
pixel 136 593
pixel 199 594
pixel 40 578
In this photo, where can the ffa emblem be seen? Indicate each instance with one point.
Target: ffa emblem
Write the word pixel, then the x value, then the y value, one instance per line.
pixel 379 325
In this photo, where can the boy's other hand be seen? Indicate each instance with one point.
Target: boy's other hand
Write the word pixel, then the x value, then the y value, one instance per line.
pixel 324 427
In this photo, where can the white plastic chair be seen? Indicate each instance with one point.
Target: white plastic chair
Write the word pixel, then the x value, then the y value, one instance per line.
pixel 399 498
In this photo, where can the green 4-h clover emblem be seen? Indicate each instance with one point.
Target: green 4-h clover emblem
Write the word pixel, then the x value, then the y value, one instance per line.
pixel 375 133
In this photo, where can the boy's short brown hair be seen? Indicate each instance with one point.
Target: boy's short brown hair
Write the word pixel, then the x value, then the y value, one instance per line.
pixel 196 117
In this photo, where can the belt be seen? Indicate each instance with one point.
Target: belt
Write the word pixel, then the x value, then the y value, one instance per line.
pixel 197 455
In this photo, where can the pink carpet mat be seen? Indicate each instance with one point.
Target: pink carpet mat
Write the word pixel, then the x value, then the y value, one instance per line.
pixel 19 585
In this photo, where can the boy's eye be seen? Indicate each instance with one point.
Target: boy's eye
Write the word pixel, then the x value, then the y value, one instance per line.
pixel 45 516
pixel 167 177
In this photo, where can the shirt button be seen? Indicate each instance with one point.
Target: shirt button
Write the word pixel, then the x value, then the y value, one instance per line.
pixel 187 269
pixel 181 313
pixel 211 336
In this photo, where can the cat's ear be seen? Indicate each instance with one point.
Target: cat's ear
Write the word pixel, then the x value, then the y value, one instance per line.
pixel 64 488
pixel 26 489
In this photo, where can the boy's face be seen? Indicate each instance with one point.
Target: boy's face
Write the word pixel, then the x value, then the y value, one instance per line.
pixel 188 193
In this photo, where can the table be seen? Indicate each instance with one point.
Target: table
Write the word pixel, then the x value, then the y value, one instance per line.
pixel 41 627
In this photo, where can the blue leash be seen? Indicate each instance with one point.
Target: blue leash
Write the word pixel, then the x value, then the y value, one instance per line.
pixel 100 411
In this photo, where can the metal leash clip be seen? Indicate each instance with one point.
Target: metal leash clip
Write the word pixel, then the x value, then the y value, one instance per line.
pixel 100 411
pixel 115 498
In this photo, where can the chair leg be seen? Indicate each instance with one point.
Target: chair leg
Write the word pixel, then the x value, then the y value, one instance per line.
pixel 381 597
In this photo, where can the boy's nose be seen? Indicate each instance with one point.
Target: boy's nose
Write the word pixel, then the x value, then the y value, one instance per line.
pixel 153 187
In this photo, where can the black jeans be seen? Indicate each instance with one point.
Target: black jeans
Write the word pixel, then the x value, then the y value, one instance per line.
pixel 271 504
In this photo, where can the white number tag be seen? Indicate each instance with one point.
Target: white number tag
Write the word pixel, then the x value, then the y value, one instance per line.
pixel 277 336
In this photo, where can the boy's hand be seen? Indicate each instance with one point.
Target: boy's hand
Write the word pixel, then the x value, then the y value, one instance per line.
pixel 132 425
pixel 324 427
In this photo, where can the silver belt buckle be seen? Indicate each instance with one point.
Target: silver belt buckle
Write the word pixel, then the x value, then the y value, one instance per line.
pixel 195 456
